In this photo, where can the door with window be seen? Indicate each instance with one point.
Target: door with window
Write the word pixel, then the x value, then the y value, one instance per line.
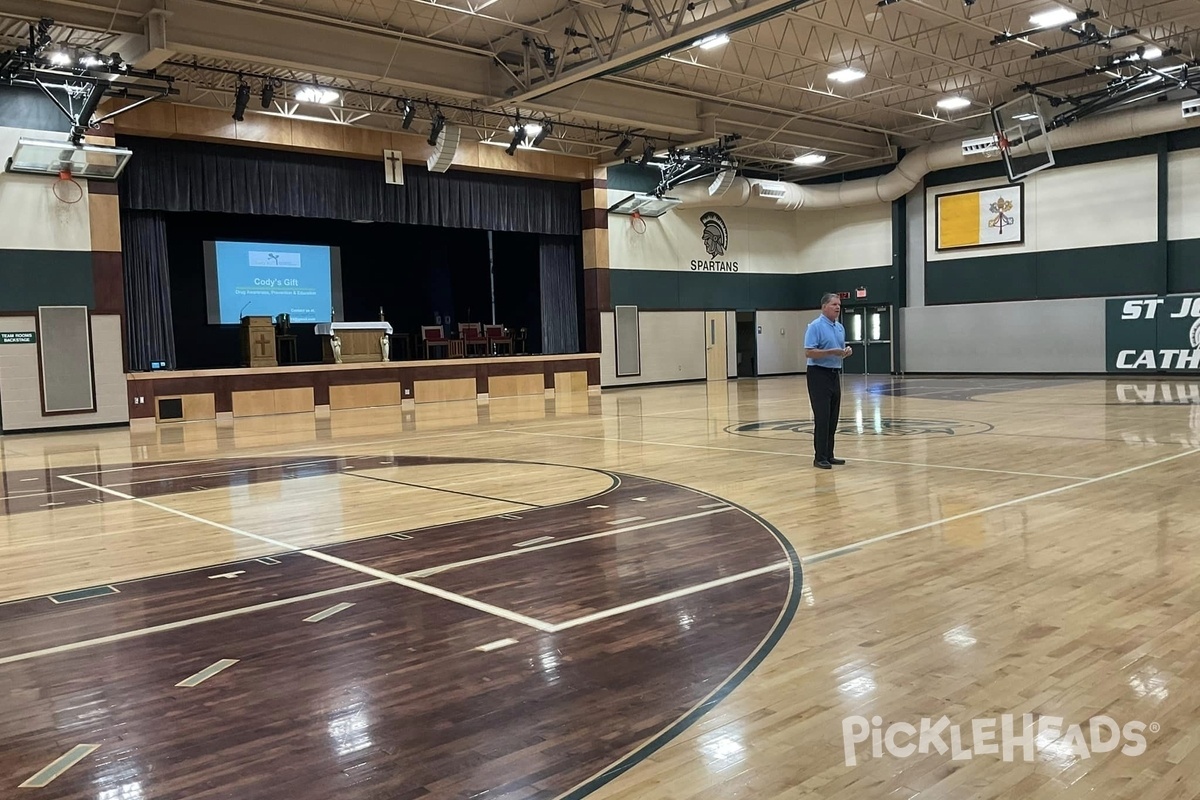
pixel 717 366
pixel 869 335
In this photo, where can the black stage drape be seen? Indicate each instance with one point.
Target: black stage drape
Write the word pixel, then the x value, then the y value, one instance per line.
pixel 170 175
pixel 148 318
pixel 558 266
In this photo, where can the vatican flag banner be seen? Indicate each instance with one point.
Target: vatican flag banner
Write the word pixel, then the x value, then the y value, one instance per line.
pixel 981 217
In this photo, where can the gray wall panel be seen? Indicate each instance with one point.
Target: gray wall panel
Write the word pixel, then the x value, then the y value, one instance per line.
pixel 1035 336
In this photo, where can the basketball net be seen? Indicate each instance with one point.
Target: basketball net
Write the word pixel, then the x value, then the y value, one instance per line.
pixel 639 224
pixel 67 189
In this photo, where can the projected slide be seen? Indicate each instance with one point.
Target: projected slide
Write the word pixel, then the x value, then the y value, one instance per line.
pixel 267 279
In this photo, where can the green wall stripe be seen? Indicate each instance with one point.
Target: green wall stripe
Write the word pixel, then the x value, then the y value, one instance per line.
pixel 1052 274
pixel 670 289
pixel 33 278
pixel 1183 273
pixel 981 280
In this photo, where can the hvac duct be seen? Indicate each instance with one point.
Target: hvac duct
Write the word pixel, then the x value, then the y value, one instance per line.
pixel 784 196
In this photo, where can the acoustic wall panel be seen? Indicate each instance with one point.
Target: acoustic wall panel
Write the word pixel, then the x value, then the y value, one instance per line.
pixel 65 357
pixel 629 357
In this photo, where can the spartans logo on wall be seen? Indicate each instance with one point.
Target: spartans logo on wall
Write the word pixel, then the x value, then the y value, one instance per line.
pixel 715 237
pixel 1153 334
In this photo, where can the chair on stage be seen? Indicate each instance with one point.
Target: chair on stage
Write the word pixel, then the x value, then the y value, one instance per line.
pixel 472 337
pixel 497 336
pixel 521 340
pixel 433 337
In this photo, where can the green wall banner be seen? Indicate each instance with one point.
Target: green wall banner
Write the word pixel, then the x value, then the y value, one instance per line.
pixel 1153 334
pixel 18 337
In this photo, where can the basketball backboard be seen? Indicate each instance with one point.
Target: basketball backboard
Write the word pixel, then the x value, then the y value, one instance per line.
pixel 1022 137
pixel 48 157
pixel 646 205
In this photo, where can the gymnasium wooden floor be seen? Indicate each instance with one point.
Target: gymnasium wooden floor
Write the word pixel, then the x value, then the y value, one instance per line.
pixel 649 593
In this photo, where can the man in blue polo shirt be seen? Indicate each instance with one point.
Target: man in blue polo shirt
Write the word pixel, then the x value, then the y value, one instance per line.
pixel 825 348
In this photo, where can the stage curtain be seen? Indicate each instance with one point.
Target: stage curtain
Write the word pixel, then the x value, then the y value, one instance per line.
pixel 559 264
pixel 148 323
pixel 171 175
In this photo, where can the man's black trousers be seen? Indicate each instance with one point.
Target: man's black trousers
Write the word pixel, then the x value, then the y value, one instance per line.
pixel 825 395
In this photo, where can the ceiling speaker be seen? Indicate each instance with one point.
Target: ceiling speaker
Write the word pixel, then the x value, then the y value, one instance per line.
pixel 443 154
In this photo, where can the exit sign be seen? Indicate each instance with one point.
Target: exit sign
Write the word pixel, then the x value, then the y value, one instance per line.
pixel 860 292
pixel 18 337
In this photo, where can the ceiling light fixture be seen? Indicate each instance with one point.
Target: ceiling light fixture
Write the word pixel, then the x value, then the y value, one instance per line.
pixel 847 75
pixel 316 94
pixel 953 103
pixel 1053 18
pixel 810 159
pixel 711 41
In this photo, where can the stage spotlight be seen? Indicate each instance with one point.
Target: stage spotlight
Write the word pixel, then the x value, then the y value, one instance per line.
pixel 439 122
pixel 547 129
pixel 241 99
pixel 518 138
pixel 622 146
pixel 647 154
pixel 409 110
pixel 268 92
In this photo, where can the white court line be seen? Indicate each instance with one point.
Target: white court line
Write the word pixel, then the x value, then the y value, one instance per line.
pixel 206 673
pixel 462 600
pixel 538 540
pixel 178 513
pixel 425 573
pixel 885 537
pixel 496 645
pixel 183 623
pixel 662 598
pixel 59 765
pixel 787 455
pixel 327 613
pixel 341 562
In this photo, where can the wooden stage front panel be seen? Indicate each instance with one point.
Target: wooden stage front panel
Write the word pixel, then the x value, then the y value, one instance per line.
pixel 325 387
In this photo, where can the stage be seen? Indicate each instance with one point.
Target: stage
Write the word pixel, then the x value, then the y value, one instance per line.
pixel 184 396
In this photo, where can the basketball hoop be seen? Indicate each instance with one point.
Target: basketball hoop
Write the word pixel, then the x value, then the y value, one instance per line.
pixel 67 189
pixel 639 224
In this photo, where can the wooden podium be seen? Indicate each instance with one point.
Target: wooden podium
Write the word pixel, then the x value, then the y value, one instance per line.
pixel 258 342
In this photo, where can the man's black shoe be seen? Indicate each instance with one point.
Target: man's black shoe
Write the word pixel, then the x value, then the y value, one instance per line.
pixel 822 465
pixel 837 461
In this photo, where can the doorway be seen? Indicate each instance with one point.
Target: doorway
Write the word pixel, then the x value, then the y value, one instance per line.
pixel 869 335
pixel 747 345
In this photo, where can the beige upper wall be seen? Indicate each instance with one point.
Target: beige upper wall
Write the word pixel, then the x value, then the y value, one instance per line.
pixel 1091 205
pixel 170 120
pixel 778 242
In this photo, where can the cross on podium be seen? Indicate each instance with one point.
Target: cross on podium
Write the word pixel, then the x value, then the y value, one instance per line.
pixel 261 342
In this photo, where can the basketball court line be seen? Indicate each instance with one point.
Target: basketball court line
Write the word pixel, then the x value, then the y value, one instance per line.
pixel 904 532
pixel 438 489
pixel 429 571
pixel 183 623
pixel 788 455
pixel 495 611
pixel 382 577
pixel 662 598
